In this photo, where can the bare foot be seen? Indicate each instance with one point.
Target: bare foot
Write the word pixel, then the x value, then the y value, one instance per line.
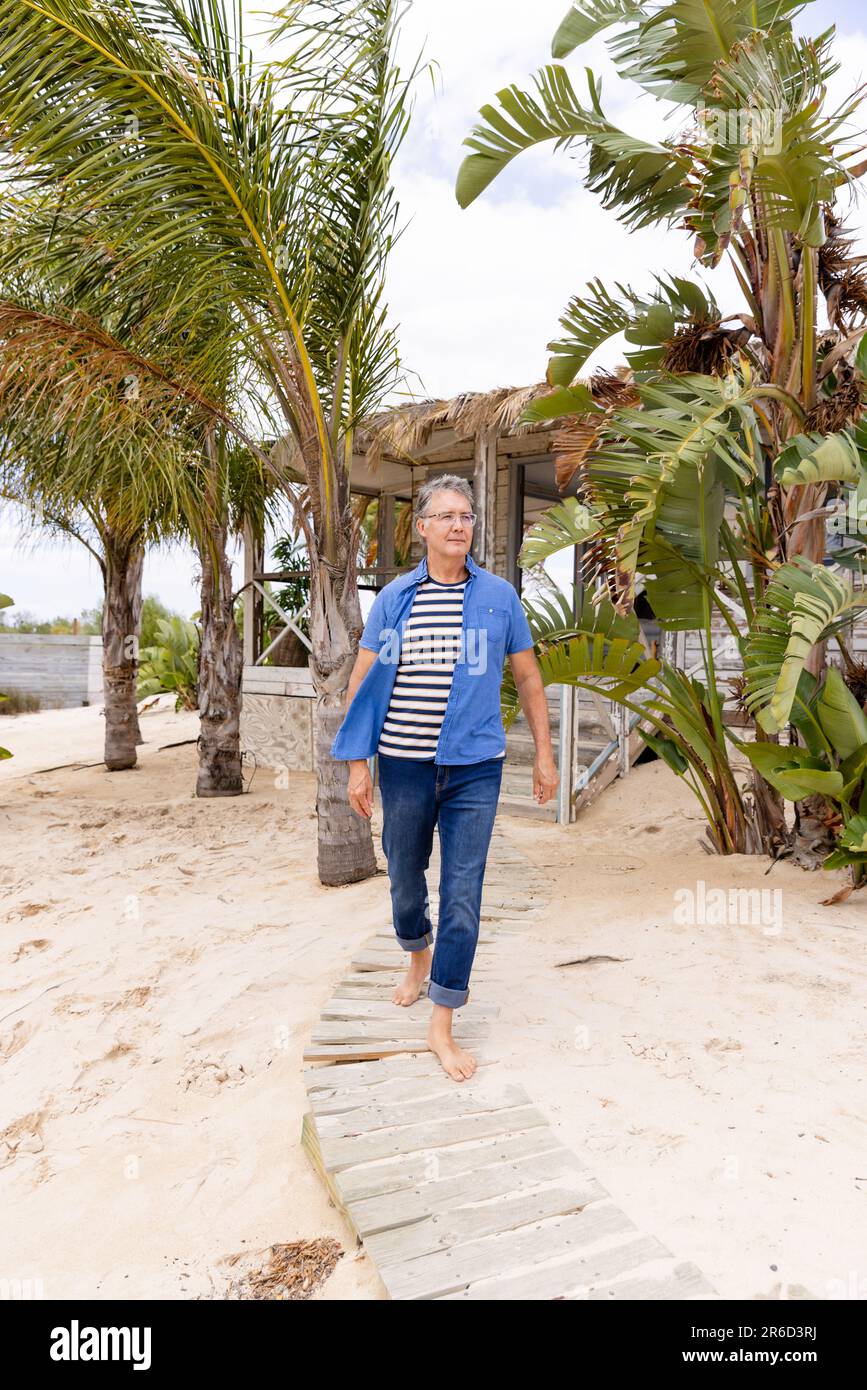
pixel 459 1063
pixel 412 984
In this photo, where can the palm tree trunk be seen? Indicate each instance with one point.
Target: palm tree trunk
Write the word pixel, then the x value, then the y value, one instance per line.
pixel 221 663
pixel 345 843
pixel 121 624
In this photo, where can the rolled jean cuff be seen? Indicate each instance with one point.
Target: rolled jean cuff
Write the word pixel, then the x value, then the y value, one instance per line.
pixel 416 943
pixel 452 998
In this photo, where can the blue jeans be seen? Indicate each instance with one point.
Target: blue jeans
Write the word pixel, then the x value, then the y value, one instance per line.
pixel 418 794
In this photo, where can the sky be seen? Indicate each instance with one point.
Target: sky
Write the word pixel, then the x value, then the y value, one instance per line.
pixel 476 293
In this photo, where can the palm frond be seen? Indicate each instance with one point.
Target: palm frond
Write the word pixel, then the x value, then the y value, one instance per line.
pixel 588 18
pixel 641 173
pixel 804 604
pixel 819 458
pixel 565 524
pixel 599 650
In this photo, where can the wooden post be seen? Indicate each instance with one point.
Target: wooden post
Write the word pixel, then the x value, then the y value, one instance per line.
pixel 673 649
pixel 565 758
pixel 569 716
pixel 385 534
pixel 485 492
pixel 416 548
pixel 253 563
pixel 515 535
pixel 623 716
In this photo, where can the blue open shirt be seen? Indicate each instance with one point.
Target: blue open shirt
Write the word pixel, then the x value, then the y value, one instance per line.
pixel 494 626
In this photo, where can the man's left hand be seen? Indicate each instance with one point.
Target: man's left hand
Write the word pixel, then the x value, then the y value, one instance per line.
pixel 545 779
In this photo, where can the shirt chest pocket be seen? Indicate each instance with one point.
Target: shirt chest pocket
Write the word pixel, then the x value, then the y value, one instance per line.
pixel 486 646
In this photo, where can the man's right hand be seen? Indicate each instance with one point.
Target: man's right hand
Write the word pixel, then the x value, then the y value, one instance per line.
pixel 361 788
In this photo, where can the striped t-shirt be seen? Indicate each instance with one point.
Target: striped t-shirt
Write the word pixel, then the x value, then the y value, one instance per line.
pixel 431 646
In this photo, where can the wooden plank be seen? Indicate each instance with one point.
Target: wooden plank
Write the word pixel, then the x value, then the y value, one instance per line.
pixel 430 1134
pixel 355 1052
pixel 475 1100
pixel 352 1075
pixel 409 1172
pixel 276 675
pixel 446 1271
pixel 476 1184
pixel 338 1008
pixel 462 1191
pixel 670 1281
pixel 310 1144
pixel 399 1029
pixel 558 1280
pixel 398 1088
pixel 448 1231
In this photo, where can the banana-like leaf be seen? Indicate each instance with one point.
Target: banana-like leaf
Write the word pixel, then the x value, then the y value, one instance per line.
pixel 566 523
pixel 521 122
pixel 819 458
pixel 679 560
pixel 842 858
pixel 803 604
pixel 552 616
pixel 789 156
pixel 648 177
pixel 674 50
pixel 565 400
pixel 614 668
pixel 649 321
pixel 657 469
pixel 793 772
pixel 682 701
pixel 851 520
pixel 587 654
pixel 589 18
pixel 854 836
pixel 852 770
pixel 843 721
pixel 589 321
pixel 666 749
pixel 674 585
pixel 803 714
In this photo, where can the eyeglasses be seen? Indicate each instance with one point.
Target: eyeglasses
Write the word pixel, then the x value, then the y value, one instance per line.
pixel 449 518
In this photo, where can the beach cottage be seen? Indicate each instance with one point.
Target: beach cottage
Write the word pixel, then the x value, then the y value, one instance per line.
pixel 514 474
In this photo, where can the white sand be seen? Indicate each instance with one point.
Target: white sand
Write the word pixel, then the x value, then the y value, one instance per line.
pixel 715 1079
pixel 153 942
pixel 165 959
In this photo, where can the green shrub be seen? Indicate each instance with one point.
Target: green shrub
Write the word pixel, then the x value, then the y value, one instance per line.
pixel 172 664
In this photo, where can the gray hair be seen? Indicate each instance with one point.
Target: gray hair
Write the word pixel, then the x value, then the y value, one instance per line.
pixel 444 482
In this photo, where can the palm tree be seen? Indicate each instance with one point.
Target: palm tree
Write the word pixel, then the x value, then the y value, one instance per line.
pixel 119 554
pixel 273 185
pixel 118 450
pixel 757 405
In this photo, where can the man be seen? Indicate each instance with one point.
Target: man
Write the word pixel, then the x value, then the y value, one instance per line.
pixel 424 695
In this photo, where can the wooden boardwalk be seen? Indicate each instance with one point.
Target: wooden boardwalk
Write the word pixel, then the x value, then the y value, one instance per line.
pixel 461 1190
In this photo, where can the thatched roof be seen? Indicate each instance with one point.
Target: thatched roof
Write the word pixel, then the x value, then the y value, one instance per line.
pixel 403 431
